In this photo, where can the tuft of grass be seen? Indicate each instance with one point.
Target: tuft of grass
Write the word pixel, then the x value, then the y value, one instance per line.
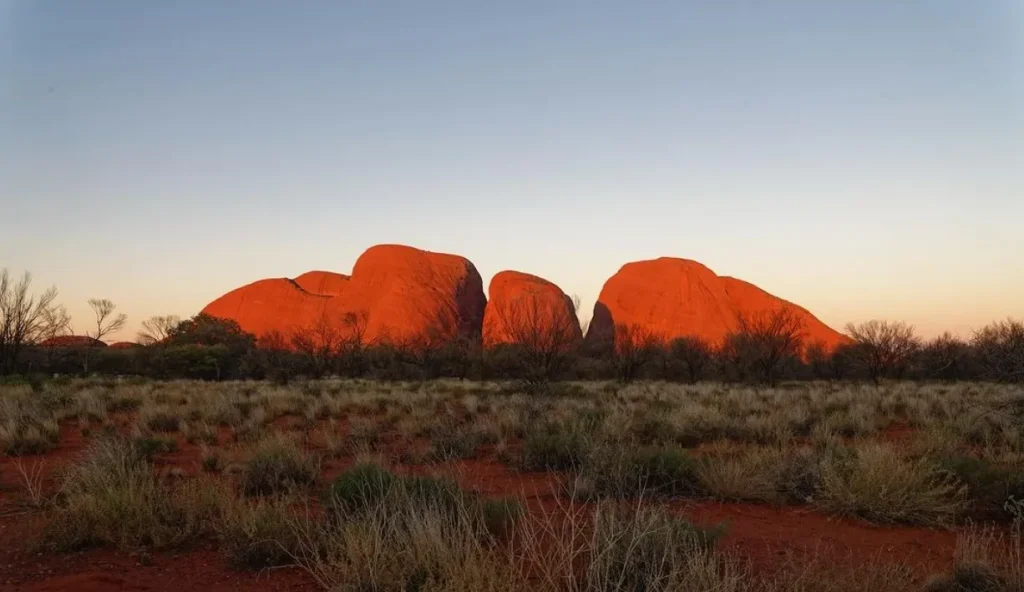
pixel 150 446
pixel 557 446
pixel 160 418
pixel 647 549
pixel 277 465
pixel 112 498
pixel 875 483
pixel 620 472
pixel 259 534
pixel 211 461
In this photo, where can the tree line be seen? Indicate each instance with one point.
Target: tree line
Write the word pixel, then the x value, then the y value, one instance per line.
pixel 544 346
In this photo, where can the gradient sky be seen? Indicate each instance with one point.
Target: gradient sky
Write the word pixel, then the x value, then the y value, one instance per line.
pixel 864 160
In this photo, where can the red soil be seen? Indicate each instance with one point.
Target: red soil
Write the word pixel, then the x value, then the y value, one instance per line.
pixel 399 294
pixel 670 298
pixel 521 303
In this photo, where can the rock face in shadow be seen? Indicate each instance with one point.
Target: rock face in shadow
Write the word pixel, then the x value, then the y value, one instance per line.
pixel 72 341
pixel 671 297
pixel 395 294
pixel 523 307
pixel 125 345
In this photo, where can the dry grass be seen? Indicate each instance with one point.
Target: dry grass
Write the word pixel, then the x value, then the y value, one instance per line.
pixel 621 451
pixel 874 482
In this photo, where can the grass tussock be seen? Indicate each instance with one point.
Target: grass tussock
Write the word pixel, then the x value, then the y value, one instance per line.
pixel 874 482
pixel 278 465
pixel 112 497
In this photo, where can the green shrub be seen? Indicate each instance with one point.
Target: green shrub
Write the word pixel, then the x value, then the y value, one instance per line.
pixel 988 485
pixel 359 487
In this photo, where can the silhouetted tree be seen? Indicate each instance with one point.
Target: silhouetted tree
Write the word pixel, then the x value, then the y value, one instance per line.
pixel 999 349
pixel 544 336
pixel 695 356
pixel 635 347
pixel 946 358
pixel 24 318
pixel 155 329
pixel 764 342
pixel 105 322
pixel 320 344
pixel 882 348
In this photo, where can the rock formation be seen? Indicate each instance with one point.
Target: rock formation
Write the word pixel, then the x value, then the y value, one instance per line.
pixel 396 294
pixel 521 306
pixel 125 345
pixel 72 341
pixel 671 297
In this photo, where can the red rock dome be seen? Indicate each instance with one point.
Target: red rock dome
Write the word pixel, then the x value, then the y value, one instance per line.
pixel 72 341
pixel 523 306
pixel 671 297
pixel 400 294
pixel 125 345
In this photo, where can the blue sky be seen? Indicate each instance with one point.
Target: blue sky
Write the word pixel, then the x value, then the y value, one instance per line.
pixel 862 160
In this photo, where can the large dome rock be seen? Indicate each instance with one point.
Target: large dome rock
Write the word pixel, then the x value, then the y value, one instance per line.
pixel 669 297
pixel 397 294
pixel 523 307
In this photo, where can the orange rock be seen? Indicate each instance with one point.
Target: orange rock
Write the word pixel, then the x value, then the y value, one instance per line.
pixel 323 283
pixel 671 297
pixel 520 305
pixel 401 295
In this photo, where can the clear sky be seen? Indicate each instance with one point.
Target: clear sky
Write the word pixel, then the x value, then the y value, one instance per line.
pixel 864 159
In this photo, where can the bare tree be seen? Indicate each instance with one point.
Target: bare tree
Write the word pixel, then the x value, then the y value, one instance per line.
pixel 765 341
pixel 635 347
pixel 106 323
pixel 999 348
pixel 354 343
pixel 157 328
pixel 320 343
pixel 882 348
pixel 24 318
pixel 694 354
pixel 545 333
pixel 946 357
pixel 56 324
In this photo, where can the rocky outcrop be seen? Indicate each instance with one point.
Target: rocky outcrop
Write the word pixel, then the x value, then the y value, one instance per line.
pixel 72 341
pixel 125 345
pixel 395 294
pixel 670 297
pixel 523 307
